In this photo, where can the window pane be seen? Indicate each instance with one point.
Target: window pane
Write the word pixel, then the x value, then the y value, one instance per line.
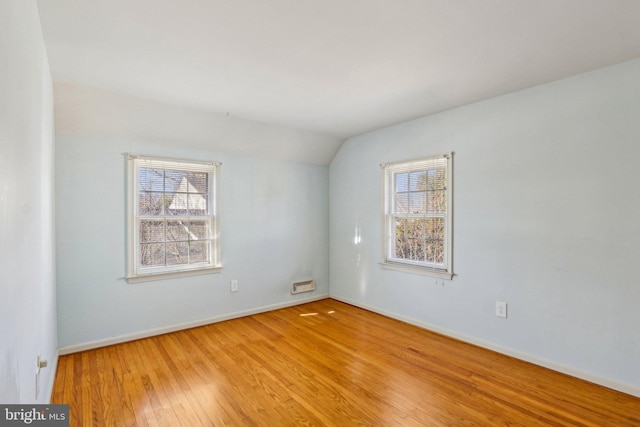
pixel 402 203
pixel 150 203
pixel 410 236
pixel 197 204
pixel 416 237
pixel 151 231
pixel 434 228
pixel 177 204
pixel 401 182
pixel 152 254
pixel 418 202
pixel 418 180
pixel 177 253
pixel 437 179
pixel 199 230
pixel 177 230
pixel 176 182
pixel 198 251
pixel 187 193
pixel 435 240
pixel 151 179
pixel 420 239
pixel 400 230
pixel 437 201
pixel 199 182
pixel 435 251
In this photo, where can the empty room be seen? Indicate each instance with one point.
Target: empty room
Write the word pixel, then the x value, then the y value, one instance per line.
pixel 321 213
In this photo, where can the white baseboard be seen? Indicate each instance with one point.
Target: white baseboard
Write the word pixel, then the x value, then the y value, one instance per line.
pixel 165 330
pixel 587 376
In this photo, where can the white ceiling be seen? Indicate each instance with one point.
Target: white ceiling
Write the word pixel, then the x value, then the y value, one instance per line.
pixel 333 67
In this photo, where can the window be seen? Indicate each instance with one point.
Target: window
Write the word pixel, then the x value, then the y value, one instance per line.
pixel 417 216
pixel 172 228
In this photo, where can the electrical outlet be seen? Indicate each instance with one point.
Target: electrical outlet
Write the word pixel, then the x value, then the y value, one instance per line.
pixel 501 309
pixel 234 285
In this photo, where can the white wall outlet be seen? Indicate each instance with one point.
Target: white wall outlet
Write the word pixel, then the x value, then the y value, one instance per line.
pixel 501 309
pixel 234 285
pixel 42 363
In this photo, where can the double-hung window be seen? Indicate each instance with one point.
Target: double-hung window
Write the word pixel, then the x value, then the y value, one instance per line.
pixel 172 211
pixel 418 216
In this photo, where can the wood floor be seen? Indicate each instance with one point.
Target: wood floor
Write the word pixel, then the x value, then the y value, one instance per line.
pixel 323 363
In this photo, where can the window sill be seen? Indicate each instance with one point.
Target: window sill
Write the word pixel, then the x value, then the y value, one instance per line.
pixel 148 277
pixel 416 269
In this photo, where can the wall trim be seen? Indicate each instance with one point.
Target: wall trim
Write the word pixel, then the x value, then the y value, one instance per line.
pixel 564 369
pixel 168 329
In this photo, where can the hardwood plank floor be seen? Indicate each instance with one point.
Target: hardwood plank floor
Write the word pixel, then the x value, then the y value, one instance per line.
pixel 323 363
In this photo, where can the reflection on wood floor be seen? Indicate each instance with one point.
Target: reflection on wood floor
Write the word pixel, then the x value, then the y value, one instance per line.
pixel 323 364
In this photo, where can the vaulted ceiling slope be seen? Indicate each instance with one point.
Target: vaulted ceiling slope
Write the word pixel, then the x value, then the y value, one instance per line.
pixel 332 67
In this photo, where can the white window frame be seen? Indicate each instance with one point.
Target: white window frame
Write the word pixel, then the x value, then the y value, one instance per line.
pixel 389 260
pixel 137 273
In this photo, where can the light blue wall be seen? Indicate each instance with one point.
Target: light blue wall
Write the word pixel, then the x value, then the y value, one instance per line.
pixel 547 209
pixel 27 270
pixel 545 218
pixel 274 227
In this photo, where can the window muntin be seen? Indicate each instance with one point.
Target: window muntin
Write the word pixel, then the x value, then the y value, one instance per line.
pixel 417 196
pixel 173 222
